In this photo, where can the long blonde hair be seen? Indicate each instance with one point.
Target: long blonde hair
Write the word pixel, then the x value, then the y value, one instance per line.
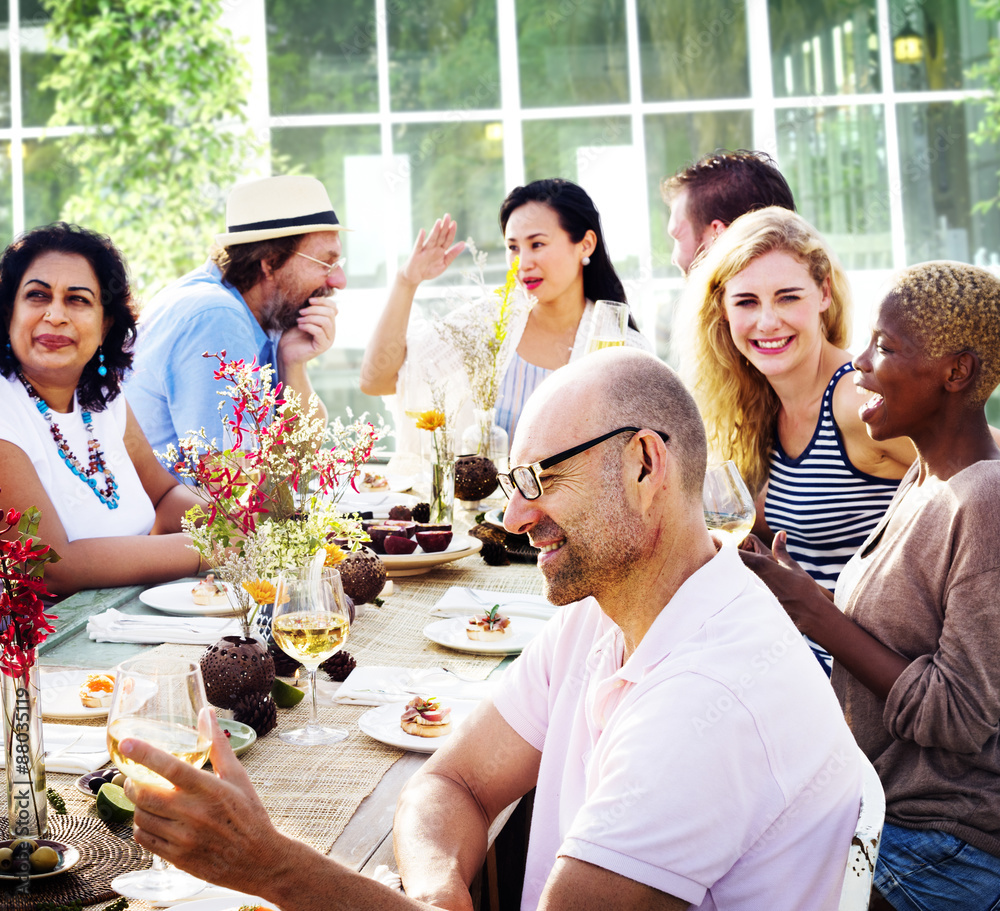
pixel 737 403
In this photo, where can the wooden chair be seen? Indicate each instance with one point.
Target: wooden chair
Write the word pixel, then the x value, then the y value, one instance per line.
pixel 864 846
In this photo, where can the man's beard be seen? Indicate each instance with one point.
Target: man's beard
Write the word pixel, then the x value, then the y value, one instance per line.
pixel 283 313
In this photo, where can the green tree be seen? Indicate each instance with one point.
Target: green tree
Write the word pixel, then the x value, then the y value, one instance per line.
pixel 988 71
pixel 160 87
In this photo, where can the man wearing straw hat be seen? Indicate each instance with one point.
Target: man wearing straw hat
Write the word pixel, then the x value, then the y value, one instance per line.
pixel 265 293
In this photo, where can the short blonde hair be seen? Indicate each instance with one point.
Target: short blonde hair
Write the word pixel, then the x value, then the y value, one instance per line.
pixel 953 307
pixel 737 402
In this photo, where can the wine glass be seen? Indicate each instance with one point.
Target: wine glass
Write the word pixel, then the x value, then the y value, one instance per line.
pixel 311 622
pixel 608 326
pixel 729 508
pixel 160 700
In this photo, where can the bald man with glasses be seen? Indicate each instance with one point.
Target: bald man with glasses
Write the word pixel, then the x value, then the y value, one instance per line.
pixel 685 747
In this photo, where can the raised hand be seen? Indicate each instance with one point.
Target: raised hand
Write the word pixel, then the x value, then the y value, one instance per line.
pixel 433 253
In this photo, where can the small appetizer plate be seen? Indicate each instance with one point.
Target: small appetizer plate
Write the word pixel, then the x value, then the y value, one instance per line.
pixel 60 695
pixel 231 902
pixel 451 634
pixel 83 782
pixel 420 562
pixel 68 857
pixel 382 724
pixel 175 598
pixel 241 736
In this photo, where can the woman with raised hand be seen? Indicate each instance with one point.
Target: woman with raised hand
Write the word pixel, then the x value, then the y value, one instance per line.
pixel 763 324
pixel 69 443
pixel 554 229
pixel 915 625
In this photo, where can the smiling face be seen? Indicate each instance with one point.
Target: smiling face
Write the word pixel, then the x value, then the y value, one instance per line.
pixel 58 321
pixel 298 279
pixel 773 309
pixel 906 383
pixel 689 240
pixel 551 264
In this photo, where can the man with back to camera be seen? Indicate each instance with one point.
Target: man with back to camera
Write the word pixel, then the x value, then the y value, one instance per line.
pixel 265 293
pixel 686 748
pixel 708 196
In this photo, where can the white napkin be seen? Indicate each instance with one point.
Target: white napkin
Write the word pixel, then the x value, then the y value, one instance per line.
pixel 465 602
pixel 114 626
pixel 383 685
pixel 73 748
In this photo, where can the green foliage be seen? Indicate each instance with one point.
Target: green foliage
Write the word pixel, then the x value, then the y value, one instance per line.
pixel 161 86
pixel 988 131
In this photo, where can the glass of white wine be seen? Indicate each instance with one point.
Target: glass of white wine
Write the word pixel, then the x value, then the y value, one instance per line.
pixel 160 700
pixel 311 623
pixel 729 508
pixel 608 327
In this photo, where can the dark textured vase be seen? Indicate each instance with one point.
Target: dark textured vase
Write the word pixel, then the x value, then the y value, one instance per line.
pixel 235 667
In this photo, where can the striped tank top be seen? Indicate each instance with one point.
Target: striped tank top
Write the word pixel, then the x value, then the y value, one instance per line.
pixel 520 380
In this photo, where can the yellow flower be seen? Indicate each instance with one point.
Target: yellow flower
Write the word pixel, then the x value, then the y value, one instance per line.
pixel 261 591
pixel 333 555
pixel 430 420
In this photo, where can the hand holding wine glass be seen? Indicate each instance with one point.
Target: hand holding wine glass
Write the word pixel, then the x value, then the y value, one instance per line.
pixel 162 701
pixel 311 623
pixel 729 508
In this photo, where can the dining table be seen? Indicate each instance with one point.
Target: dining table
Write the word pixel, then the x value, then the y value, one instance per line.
pixel 339 798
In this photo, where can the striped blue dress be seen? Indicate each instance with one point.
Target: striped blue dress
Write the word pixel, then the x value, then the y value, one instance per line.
pixel 520 380
pixel 825 504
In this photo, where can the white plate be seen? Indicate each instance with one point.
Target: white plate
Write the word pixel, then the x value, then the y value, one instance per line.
pixel 382 723
pixel 419 562
pixel 377 502
pixel 60 695
pixel 231 902
pixel 175 598
pixel 69 858
pixel 451 634
pixel 494 517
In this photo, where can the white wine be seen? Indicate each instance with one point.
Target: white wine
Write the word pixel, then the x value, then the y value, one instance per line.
pixel 596 344
pixel 310 636
pixel 729 528
pixel 186 743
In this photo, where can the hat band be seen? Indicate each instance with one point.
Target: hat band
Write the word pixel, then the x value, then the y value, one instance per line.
pixel 329 217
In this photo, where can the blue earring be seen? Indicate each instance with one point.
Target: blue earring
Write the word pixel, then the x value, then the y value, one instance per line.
pixel 101 369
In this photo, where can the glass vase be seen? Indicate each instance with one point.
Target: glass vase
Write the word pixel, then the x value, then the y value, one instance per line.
pixel 24 754
pixel 442 500
pixel 485 437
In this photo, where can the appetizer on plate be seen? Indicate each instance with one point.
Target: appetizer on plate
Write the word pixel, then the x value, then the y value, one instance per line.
pixel 426 717
pixel 208 591
pixel 488 625
pixel 96 691
pixel 373 481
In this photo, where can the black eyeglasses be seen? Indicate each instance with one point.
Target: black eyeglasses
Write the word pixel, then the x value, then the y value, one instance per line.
pixel 527 479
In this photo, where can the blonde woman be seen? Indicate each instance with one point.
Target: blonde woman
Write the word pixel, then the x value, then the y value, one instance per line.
pixel 764 321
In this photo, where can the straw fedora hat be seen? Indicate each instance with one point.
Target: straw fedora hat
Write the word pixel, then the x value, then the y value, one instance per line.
pixel 277 207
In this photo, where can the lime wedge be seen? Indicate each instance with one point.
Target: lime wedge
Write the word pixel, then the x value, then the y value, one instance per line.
pixel 286 695
pixel 113 806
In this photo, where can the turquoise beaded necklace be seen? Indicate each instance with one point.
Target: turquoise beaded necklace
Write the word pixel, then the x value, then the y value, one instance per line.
pixel 97 464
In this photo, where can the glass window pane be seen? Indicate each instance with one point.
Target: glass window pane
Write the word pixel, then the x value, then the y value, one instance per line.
pixel 834 161
pixel 945 39
pixel 943 176
pixel 693 49
pixel 596 153
pixel 348 160
pixel 49 180
pixel 443 56
pixel 4 64
pixel 36 64
pixel 674 141
pixel 6 203
pixel 824 49
pixel 572 53
pixel 321 57
pixel 457 168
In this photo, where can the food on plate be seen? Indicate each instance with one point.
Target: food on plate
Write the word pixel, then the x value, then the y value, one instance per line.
pixel 399 545
pixel 255 908
pixel 208 591
pixel 433 542
pixel 402 526
pixel 96 690
pixel 98 779
pixel 113 806
pixel 488 625
pixel 373 481
pixel 425 717
pixel 44 859
pixel 6 858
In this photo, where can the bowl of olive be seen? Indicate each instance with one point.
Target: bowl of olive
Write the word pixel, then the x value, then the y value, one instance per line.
pixel 42 856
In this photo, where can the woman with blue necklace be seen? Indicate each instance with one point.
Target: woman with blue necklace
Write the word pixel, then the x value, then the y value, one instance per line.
pixel 69 443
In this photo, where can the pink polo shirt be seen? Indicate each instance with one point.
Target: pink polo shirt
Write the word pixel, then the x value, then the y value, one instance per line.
pixel 715 765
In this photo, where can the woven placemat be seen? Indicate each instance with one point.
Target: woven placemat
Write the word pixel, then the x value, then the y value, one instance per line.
pixel 104 854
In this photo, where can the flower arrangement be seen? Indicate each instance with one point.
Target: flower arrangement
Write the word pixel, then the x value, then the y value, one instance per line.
pixel 271 498
pixel 443 462
pixel 24 625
